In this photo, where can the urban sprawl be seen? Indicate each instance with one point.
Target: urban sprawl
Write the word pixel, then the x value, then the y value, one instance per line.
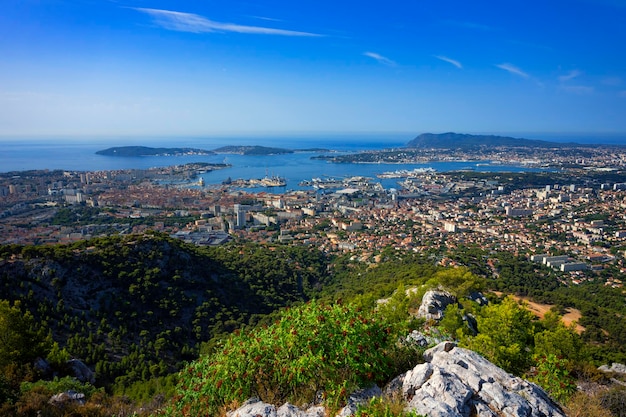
pixel 572 218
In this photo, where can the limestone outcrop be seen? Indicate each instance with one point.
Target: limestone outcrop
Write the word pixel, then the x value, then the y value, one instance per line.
pixel 456 382
pixel 434 303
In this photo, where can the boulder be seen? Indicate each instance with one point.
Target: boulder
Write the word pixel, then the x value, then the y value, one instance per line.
pixel 471 323
pixel 358 398
pixel 43 366
pixel 257 408
pixel 416 338
pixel 478 297
pixel 81 372
pixel 68 397
pixel 434 303
pixel 456 382
pixel 617 368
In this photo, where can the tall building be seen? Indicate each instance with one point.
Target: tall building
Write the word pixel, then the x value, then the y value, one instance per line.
pixel 241 219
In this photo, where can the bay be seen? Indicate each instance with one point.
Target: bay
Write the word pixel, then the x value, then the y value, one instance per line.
pixel 80 155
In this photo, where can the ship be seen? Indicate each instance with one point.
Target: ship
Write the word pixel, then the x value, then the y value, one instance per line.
pixel 273 181
pixel 327 183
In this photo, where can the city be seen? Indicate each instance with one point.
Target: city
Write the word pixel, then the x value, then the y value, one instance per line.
pixel 577 212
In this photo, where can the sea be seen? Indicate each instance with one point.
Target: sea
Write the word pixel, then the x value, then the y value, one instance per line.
pixel 79 154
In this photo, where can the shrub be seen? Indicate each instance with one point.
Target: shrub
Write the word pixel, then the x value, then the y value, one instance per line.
pixel 552 375
pixel 58 385
pixel 615 401
pixel 379 407
pixel 313 350
pixel 583 405
pixel 505 336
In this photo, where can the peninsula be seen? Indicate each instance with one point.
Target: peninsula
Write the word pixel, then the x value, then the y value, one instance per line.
pixel 133 151
pixel 451 140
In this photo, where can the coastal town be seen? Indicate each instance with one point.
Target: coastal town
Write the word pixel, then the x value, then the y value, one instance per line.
pixel 572 219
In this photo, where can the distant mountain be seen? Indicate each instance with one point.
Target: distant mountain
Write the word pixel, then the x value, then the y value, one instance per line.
pixel 129 151
pixel 466 141
pixel 252 150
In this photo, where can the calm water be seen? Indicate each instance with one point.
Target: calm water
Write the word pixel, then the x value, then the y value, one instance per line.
pixel 80 156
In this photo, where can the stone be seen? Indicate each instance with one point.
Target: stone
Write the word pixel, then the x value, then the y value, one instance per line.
pixel 43 366
pixel 416 338
pixel 446 346
pixel 358 398
pixel 471 323
pixel 257 408
pixel 617 368
pixel 81 372
pixel 478 297
pixel 290 410
pixel 254 408
pixel 434 303
pixel 68 397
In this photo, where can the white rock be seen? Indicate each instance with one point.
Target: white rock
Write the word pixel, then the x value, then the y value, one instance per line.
pixel 434 303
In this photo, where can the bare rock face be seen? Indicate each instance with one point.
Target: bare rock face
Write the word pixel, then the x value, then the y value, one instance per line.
pixel 456 382
pixel 434 303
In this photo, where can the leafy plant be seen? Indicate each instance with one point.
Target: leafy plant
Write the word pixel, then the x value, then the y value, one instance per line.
pixel 315 349
pixel 551 373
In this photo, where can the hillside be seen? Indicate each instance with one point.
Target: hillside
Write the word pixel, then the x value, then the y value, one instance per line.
pixel 136 309
pixel 452 140
pixel 111 301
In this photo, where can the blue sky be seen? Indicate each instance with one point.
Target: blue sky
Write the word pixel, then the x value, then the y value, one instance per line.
pixel 148 67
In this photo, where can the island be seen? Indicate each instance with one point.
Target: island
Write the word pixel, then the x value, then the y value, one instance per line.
pixel 134 151
pixel 252 150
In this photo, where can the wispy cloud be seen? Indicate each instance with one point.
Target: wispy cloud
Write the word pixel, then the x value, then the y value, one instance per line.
pixel 269 19
pixel 577 89
pixel 189 22
pixel 513 70
pixel 380 58
pixel 449 61
pixel 570 75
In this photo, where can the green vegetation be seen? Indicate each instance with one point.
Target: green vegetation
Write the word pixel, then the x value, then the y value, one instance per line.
pixel 317 348
pixel 552 374
pixel 505 333
pixel 138 309
pixel 378 407
pixel 135 308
